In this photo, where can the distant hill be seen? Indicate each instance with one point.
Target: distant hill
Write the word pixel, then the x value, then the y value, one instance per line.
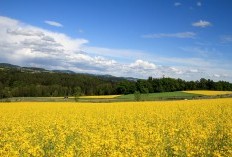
pixel 6 65
pixel 16 81
pixel 64 71
pixel 39 70
pixel 34 69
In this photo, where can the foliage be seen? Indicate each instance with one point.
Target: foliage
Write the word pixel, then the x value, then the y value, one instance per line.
pixel 45 84
pixel 165 128
pixel 16 83
pixel 137 96
pixel 77 93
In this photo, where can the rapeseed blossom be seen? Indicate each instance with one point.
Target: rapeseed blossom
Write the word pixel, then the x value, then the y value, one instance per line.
pixel 165 128
pixel 208 92
pixel 100 97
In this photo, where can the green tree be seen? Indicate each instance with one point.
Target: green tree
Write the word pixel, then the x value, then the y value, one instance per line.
pixel 137 96
pixel 77 94
pixel 145 95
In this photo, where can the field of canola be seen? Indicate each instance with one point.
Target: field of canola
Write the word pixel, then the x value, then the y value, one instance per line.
pixel 208 92
pixel 101 96
pixel 167 128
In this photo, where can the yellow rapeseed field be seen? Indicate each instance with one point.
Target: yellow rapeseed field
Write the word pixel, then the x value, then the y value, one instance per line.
pixel 208 92
pixel 100 97
pixel 167 128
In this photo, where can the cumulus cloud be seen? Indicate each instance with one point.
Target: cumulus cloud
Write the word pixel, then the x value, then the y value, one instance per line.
pixel 216 75
pixel 53 23
pixel 171 35
pixel 175 70
pixel 24 32
pixel 201 23
pixel 193 70
pixel 26 45
pixel 140 64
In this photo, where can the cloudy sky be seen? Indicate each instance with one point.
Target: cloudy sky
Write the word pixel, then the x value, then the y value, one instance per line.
pixel 132 38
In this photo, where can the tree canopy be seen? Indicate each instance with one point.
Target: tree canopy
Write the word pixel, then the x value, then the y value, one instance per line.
pixel 16 83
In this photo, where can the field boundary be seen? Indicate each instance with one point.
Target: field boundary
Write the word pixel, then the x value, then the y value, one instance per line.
pixel 145 97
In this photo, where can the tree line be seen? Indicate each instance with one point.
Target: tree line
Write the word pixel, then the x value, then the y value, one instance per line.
pixel 156 85
pixel 15 83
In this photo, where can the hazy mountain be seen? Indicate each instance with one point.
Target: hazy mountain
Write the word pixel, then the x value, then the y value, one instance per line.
pixel 39 70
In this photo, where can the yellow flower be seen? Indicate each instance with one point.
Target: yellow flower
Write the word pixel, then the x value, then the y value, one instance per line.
pixel 162 128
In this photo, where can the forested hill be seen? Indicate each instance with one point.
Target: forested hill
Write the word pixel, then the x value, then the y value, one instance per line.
pixel 16 81
pixel 28 81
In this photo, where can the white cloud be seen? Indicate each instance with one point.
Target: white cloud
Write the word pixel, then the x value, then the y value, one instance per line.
pixel 176 4
pixel 193 70
pixel 199 4
pixel 171 35
pixel 53 23
pixel 140 64
pixel 27 45
pixel 201 23
pixel 216 75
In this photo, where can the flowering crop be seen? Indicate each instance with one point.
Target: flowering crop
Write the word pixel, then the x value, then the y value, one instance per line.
pixel 207 92
pixel 101 96
pixel 167 128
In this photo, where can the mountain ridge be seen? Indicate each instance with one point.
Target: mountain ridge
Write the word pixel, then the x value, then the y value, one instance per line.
pixel 39 70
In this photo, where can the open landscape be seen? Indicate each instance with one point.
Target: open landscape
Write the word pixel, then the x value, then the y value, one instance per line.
pixel 146 128
pixel 115 78
pixel 43 116
pixel 179 95
pixel 162 128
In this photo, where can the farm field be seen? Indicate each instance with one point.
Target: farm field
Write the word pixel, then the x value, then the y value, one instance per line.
pixel 207 92
pixel 178 95
pixel 100 97
pixel 162 128
pixel 160 96
pixel 111 98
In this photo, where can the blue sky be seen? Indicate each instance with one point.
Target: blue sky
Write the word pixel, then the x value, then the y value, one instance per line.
pixel 136 38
